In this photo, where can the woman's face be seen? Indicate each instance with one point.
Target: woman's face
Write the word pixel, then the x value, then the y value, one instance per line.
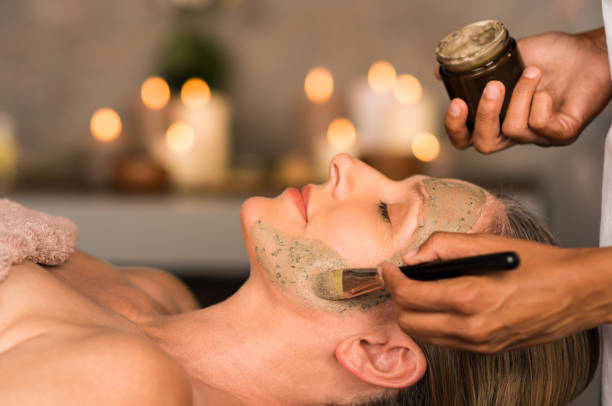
pixel 359 218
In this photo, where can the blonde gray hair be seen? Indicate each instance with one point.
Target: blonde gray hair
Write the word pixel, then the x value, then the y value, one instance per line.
pixel 549 374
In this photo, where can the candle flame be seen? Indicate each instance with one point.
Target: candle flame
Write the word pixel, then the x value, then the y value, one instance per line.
pixel 195 93
pixel 180 137
pixel 407 89
pixel 341 134
pixel 319 85
pixel 155 93
pixel 105 125
pixel 425 147
pixel 382 77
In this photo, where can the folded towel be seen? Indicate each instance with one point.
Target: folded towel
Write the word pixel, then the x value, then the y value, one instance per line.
pixel 27 234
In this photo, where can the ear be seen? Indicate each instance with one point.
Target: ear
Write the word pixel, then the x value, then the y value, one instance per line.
pixel 387 357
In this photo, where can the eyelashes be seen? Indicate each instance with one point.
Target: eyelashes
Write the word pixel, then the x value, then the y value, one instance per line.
pixel 384 210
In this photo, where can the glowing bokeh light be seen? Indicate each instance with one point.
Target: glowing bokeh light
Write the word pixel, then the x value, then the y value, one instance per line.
pixel 341 134
pixel 195 93
pixel 319 85
pixel 407 89
pixel 180 137
pixel 425 147
pixel 382 77
pixel 155 93
pixel 105 125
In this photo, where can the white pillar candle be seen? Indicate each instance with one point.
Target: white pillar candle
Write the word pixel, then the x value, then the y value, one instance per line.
pixel 385 124
pixel 198 155
pixel 369 111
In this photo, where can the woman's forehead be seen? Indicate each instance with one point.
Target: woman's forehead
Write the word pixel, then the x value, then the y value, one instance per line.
pixel 416 182
pixel 443 205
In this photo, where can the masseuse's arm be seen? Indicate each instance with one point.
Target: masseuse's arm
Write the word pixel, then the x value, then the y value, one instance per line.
pixel 555 292
pixel 565 84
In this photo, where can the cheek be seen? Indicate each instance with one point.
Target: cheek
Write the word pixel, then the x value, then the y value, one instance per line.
pixel 271 211
pixel 361 240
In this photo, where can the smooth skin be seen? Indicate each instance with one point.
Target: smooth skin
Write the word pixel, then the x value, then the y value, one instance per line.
pixel 555 291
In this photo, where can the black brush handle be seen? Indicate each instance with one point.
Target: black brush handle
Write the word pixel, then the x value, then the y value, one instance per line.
pixel 477 265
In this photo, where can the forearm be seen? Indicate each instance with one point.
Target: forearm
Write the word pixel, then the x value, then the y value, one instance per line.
pixel 590 277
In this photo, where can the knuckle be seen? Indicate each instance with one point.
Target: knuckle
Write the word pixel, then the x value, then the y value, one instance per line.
pixel 405 322
pixel 484 146
pixel 469 299
pixel 436 238
pixel 478 331
pixel 565 138
pixel 512 129
pixel 486 113
pixel 456 137
pixel 537 122
pixel 402 294
pixel 524 87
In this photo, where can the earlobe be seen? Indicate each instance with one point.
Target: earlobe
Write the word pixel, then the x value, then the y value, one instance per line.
pixel 388 358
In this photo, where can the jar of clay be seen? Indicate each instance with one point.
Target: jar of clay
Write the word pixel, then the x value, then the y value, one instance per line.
pixel 474 55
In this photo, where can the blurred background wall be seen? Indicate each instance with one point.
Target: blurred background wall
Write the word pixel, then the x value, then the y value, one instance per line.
pixel 61 60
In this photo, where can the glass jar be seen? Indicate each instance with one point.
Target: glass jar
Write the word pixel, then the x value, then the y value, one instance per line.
pixel 474 55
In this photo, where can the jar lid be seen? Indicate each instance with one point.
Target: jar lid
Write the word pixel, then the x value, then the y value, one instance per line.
pixel 472 46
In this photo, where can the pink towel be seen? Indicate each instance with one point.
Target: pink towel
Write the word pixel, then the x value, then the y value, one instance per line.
pixel 27 234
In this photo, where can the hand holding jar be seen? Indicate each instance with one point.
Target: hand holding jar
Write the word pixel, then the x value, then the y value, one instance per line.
pixel 496 103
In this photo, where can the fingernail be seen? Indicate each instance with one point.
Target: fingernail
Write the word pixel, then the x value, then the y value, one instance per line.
pixel 454 110
pixel 491 91
pixel 530 72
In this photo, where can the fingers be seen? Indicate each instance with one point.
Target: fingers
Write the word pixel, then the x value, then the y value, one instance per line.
pixel 555 128
pixel 471 333
pixel 415 295
pixel 487 136
pixel 516 124
pixel 437 72
pixel 454 123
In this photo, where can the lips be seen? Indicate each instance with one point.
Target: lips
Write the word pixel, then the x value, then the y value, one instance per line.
pixel 300 201
pixel 306 196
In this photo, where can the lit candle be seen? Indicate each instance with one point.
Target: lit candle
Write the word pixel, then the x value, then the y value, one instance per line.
pixel 389 111
pixel 320 106
pixel 105 126
pixel 8 152
pixel 340 137
pixel 195 148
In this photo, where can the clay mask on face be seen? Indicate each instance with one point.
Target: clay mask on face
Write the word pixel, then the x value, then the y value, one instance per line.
pixel 449 206
pixel 289 262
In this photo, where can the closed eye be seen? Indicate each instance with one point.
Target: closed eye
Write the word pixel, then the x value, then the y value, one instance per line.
pixel 384 211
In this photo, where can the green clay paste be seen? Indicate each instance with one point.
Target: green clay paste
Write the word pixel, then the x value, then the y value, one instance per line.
pixel 449 206
pixel 290 262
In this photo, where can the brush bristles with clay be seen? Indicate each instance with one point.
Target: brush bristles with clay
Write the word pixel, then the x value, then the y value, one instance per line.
pixel 346 283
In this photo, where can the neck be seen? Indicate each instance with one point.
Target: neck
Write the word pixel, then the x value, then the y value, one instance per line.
pixel 250 349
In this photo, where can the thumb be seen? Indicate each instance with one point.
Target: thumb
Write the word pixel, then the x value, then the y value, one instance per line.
pixel 393 278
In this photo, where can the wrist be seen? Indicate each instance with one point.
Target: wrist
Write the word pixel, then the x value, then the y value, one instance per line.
pixel 597 38
pixel 593 282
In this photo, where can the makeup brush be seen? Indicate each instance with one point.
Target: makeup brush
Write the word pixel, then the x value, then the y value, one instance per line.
pixel 348 283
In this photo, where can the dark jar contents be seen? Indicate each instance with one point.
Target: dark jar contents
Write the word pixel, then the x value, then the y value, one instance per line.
pixel 474 55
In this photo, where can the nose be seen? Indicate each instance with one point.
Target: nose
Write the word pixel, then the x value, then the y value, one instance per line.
pixel 342 175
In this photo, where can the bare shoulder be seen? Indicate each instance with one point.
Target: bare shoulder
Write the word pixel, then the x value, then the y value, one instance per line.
pixel 101 368
pixel 163 287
